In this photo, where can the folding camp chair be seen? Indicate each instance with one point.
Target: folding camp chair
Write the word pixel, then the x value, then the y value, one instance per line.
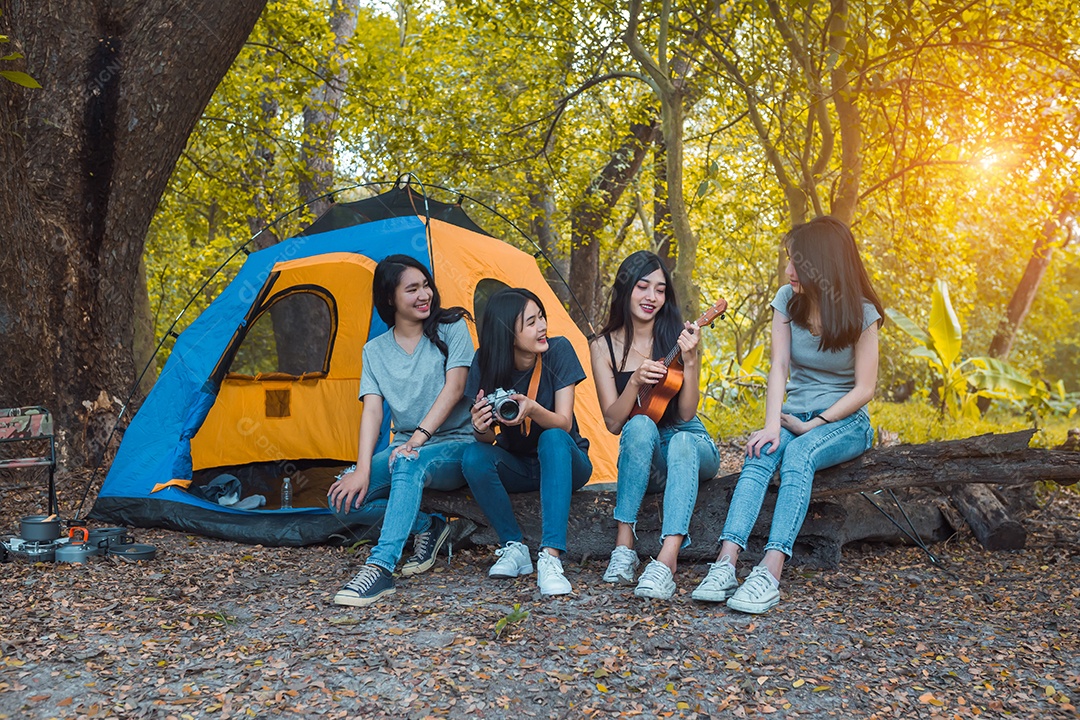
pixel 31 425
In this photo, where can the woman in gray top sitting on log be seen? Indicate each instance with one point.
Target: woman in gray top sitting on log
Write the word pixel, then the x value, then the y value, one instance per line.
pixel 825 348
pixel 418 367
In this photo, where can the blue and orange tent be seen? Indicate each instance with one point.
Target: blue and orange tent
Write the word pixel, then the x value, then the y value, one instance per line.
pixel 263 384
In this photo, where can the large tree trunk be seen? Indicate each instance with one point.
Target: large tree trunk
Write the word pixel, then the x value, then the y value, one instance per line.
pixel 849 117
pixel 542 226
pixel 85 160
pixel 1024 294
pixel 591 215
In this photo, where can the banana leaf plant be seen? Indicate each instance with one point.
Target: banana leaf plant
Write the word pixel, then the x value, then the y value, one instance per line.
pixel 964 381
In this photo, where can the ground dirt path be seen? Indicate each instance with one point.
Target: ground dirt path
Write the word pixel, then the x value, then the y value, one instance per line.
pixel 212 629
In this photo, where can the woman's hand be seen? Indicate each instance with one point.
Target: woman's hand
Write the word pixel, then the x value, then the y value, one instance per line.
pixel 348 491
pixel 649 372
pixel 688 343
pixel 482 414
pixel 796 426
pixel 407 450
pixel 526 407
pixel 760 438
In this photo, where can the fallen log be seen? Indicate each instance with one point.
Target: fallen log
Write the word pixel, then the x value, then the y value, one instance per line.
pixel 990 523
pixel 833 520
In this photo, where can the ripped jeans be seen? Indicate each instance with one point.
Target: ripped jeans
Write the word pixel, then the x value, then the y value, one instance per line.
pixel 394 496
pixel 799 457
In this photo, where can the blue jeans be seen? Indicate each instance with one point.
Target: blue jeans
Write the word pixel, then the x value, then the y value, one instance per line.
pixel 799 457
pixel 394 496
pixel 559 468
pixel 672 459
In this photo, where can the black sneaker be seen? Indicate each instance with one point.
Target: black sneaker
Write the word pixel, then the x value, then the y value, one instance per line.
pixel 426 546
pixel 369 586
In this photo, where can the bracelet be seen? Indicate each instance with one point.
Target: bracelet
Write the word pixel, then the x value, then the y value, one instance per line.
pixel 823 418
pixel 477 430
pixel 422 430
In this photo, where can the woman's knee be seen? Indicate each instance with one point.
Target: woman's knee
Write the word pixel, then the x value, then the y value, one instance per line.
pixel 554 438
pixel 683 445
pixel 476 459
pixel 637 431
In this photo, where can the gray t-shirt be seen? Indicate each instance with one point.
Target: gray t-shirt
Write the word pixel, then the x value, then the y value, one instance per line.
pixel 410 382
pixel 818 378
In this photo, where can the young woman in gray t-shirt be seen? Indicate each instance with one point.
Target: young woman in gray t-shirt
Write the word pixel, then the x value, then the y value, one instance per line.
pixel 825 354
pixel 418 367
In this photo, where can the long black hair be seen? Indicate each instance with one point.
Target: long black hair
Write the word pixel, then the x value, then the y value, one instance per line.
pixel 495 356
pixel 833 280
pixel 387 277
pixel 668 322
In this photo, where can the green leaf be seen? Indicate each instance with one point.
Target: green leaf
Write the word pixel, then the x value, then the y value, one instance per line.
pixel 20 78
pixel 997 376
pixel 929 356
pixel 905 323
pixel 752 360
pixel 944 325
pixel 12 56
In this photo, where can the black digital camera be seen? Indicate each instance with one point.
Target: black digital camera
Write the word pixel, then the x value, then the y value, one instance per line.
pixel 503 406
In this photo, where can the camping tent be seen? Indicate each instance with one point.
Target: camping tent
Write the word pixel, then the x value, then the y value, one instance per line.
pixel 263 384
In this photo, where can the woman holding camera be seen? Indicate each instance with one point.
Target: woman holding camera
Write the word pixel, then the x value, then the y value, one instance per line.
pixel 522 384
pixel 670 455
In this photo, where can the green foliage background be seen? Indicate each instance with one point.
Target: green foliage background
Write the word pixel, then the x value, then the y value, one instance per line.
pixel 969 138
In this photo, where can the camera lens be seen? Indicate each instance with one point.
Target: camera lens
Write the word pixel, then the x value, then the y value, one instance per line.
pixel 508 409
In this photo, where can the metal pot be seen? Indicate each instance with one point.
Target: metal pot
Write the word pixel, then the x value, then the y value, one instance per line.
pixel 75 553
pixel 133 552
pixel 40 528
pixel 104 538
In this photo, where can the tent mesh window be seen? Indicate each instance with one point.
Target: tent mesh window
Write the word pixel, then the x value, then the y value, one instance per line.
pixel 292 336
pixel 484 290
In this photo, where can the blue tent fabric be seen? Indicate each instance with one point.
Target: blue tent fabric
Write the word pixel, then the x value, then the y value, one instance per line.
pixel 156 447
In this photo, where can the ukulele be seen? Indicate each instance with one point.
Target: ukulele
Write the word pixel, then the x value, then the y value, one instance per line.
pixel 652 400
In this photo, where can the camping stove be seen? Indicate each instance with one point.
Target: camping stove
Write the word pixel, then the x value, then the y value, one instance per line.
pixel 33 550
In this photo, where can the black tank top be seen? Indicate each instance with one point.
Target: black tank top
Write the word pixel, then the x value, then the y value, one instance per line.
pixel 671 413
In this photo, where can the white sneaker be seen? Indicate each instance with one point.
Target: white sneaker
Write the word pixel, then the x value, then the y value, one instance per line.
pixel 514 560
pixel 656 582
pixel 719 584
pixel 757 594
pixel 622 567
pixel 549 575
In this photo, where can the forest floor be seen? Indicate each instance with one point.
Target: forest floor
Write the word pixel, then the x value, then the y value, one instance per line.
pixel 213 629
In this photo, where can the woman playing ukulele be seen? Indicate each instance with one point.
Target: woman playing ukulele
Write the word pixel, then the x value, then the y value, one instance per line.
pixel 672 454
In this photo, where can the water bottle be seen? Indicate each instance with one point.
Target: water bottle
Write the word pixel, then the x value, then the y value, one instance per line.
pixel 286 493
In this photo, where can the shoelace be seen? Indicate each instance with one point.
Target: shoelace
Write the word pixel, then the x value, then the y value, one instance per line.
pixel 718 573
pixel 621 561
pixel 549 567
pixel 423 542
pixel 653 574
pixel 499 552
pixel 364 579
pixel 757 585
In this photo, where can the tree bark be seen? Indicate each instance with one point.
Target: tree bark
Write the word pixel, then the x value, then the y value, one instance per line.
pixel 1024 294
pixel 85 161
pixel 542 226
pixel 848 115
pixel 593 212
